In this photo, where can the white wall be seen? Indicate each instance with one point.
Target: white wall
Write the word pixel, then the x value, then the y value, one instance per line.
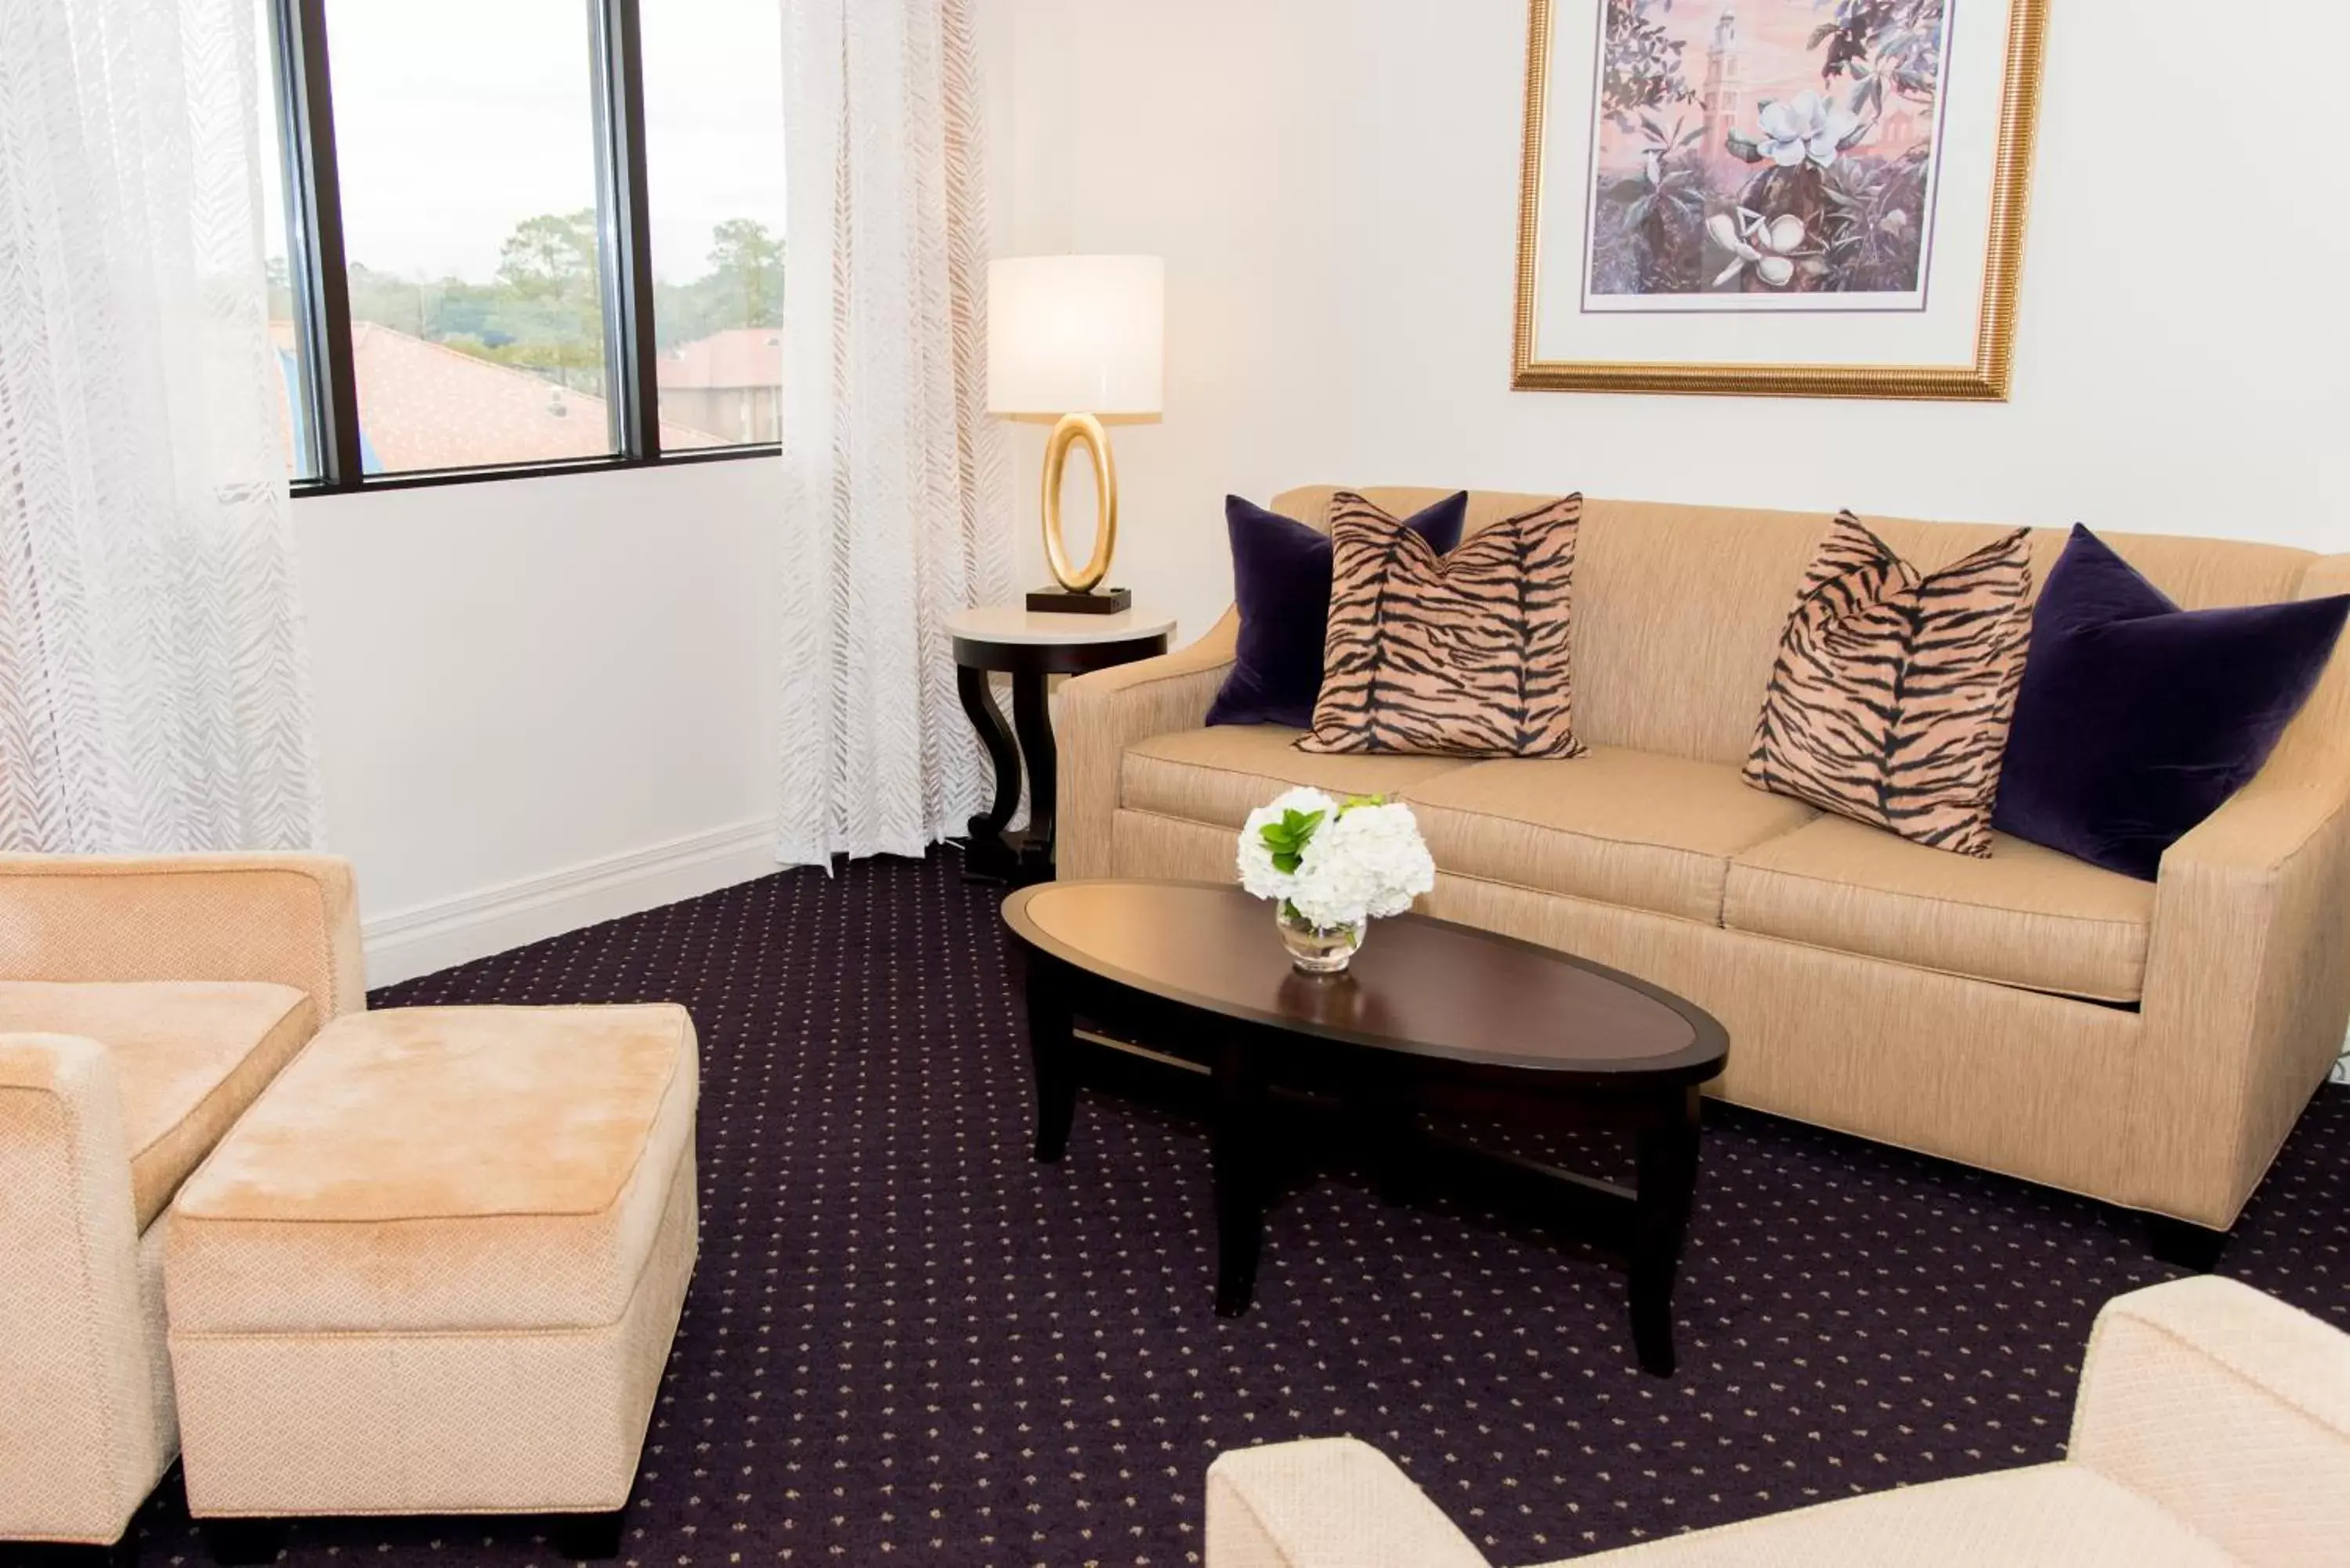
pixel 542 702
pixel 1334 186
pixel 547 702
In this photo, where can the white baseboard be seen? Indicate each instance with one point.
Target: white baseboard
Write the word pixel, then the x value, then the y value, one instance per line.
pixel 406 943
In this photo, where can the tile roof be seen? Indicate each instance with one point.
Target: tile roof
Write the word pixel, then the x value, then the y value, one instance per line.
pixel 423 405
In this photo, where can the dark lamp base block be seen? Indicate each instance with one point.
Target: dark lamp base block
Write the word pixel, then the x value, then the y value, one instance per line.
pixel 1058 600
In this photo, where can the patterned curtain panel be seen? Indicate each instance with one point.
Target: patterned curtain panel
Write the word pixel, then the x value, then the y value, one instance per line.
pixel 895 511
pixel 152 681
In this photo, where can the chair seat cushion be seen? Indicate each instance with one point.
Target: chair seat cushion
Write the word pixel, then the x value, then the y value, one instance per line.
pixel 2054 1516
pixel 1632 828
pixel 188 1056
pixel 1219 775
pixel 443 1169
pixel 2025 917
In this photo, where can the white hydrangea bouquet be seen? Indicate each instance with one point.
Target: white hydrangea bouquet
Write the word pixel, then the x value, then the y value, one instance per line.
pixel 1331 866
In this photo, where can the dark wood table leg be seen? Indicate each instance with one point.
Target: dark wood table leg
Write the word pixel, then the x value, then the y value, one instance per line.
pixel 1053 1049
pixel 990 854
pixel 1397 1156
pixel 1237 1142
pixel 1032 717
pixel 1668 1186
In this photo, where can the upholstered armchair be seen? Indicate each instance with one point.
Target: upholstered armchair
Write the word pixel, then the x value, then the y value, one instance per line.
pixel 144 1002
pixel 2212 1428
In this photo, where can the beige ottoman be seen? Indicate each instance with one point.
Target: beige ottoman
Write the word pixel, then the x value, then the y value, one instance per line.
pixel 437 1269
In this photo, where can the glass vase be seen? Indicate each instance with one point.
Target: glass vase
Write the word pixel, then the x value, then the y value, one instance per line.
pixel 1317 949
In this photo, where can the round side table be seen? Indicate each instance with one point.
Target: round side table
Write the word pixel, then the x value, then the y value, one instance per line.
pixel 1032 647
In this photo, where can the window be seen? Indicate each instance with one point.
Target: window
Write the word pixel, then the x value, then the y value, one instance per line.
pixel 486 270
pixel 466 136
pixel 713 125
pixel 301 403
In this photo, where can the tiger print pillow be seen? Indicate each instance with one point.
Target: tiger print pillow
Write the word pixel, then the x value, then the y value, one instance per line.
pixel 1457 655
pixel 1891 695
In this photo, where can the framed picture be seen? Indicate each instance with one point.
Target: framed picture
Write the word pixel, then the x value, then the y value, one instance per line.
pixel 1798 198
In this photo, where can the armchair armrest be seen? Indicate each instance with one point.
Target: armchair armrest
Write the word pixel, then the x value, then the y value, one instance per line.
pixel 2228 1409
pixel 1101 714
pixel 1332 1502
pixel 86 1421
pixel 290 919
pixel 2247 990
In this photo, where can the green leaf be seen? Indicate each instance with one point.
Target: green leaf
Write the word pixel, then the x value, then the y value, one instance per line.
pixel 1287 838
pixel 1744 147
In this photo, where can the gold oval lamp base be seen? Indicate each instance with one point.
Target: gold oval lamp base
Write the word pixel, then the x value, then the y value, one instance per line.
pixel 1080 582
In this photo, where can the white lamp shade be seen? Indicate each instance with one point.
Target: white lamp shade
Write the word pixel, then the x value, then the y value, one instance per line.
pixel 1075 335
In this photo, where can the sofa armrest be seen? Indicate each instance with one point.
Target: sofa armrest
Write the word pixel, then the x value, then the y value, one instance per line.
pixel 1332 1502
pixel 2228 1409
pixel 289 919
pixel 2247 991
pixel 1101 714
pixel 85 1424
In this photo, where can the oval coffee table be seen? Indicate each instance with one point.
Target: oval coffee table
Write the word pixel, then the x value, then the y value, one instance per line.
pixel 1432 1017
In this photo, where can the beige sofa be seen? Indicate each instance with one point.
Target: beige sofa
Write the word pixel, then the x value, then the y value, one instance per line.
pixel 2212 1430
pixel 144 1002
pixel 2146 1043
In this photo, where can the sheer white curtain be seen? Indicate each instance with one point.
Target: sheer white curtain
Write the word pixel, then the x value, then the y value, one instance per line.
pixel 895 513
pixel 151 683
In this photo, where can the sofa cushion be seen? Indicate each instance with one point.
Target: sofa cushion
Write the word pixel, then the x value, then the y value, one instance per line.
pixel 441 1169
pixel 188 1057
pixel 2025 915
pixel 1281 587
pixel 1461 655
pixel 2138 719
pixel 1890 698
pixel 1632 828
pixel 1218 777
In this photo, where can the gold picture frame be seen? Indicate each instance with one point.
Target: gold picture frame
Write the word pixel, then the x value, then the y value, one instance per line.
pixel 1985 380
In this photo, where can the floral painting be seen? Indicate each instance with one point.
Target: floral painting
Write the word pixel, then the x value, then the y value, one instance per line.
pixel 1765 155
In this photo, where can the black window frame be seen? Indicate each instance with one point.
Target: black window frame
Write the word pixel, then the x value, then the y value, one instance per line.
pixel 329 417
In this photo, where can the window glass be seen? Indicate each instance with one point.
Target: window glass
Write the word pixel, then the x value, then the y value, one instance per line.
pixel 301 425
pixel 466 138
pixel 714 167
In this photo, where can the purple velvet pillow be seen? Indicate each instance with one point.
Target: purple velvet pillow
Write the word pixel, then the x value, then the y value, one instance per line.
pixel 2138 719
pixel 1281 581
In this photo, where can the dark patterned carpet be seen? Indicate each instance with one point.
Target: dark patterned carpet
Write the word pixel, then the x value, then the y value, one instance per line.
pixel 907 1342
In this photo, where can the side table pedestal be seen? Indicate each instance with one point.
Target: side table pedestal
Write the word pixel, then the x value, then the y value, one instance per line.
pixel 1032 647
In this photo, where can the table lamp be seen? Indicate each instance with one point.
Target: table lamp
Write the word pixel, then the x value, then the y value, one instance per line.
pixel 1079 337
